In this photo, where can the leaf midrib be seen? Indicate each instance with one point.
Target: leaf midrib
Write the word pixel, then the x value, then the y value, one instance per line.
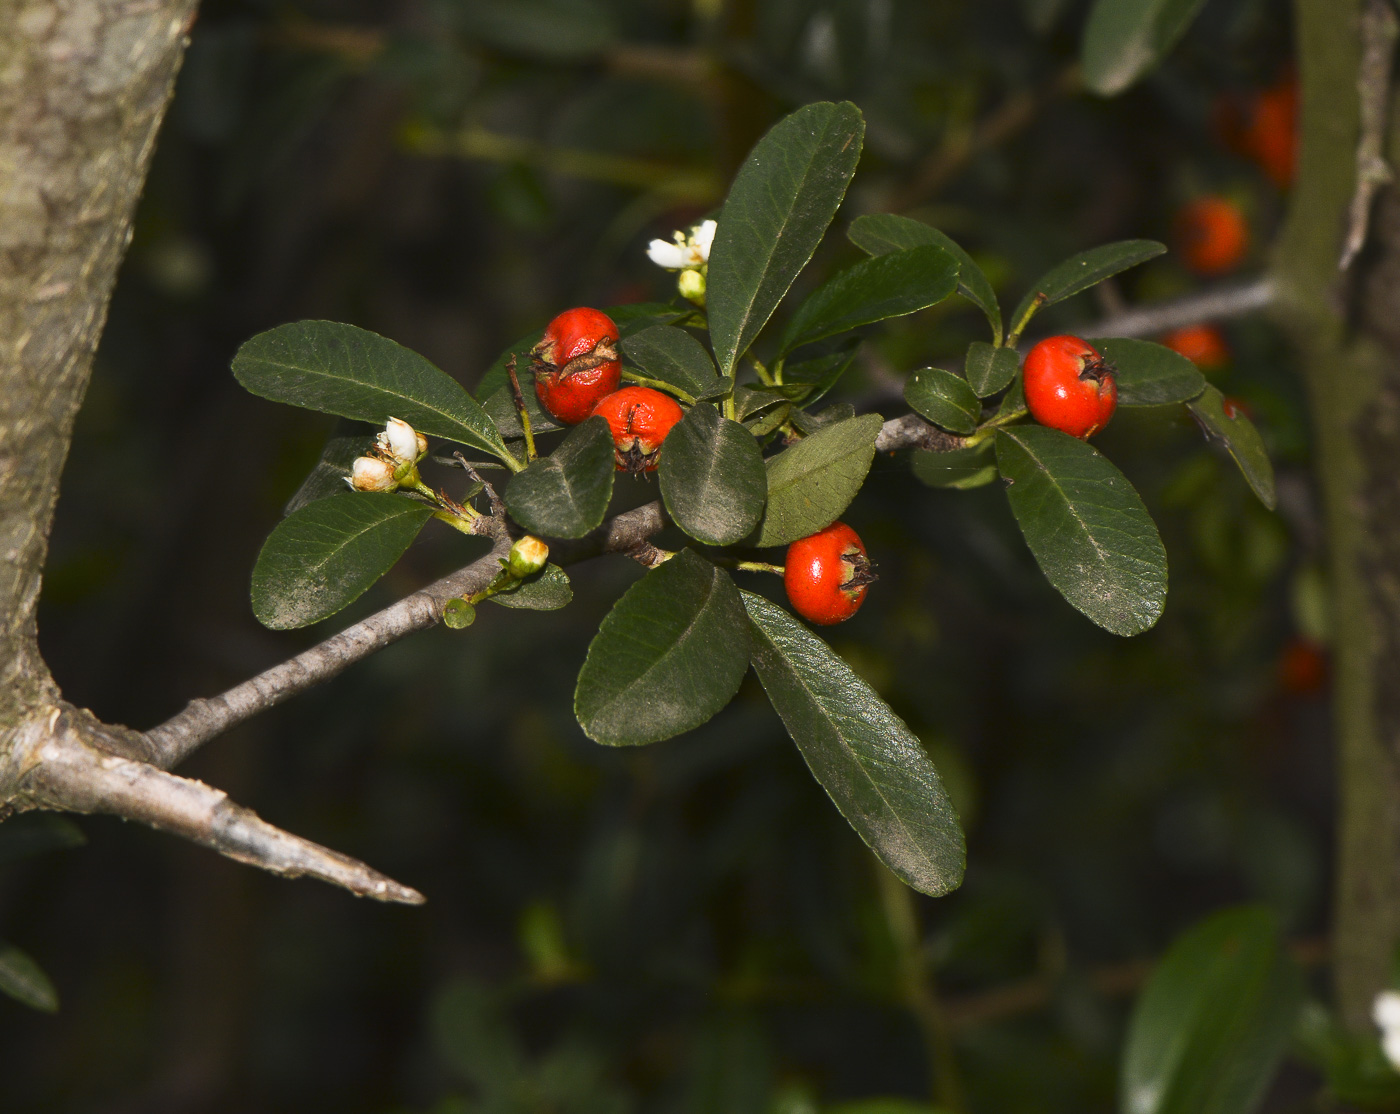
pixel 348 539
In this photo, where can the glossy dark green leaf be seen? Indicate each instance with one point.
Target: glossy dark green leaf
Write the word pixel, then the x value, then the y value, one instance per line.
pixel 500 408
pixel 944 398
pixel 326 555
pixel 1150 374
pixel 805 422
pixel 768 421
pixel 963 469
pixel 988 369
pixel 871 765
pixel 1237 435
pixel 782 200
pixel 1013 403
pixel 547 590
pixel 879 233
pixel 1086 526
pixel 37 833
pixel 565 494
pixel 813 481
pixel 329 474
pixel 1080 272
pixel 554 29
pixel 24 980
pixel 339 369
pixel 712 477
pixel 636 316
pixel 674 356
pixel 873 290
pixel 807 381
pixel 1213 1022
pixel 1124 39
pixel 668 656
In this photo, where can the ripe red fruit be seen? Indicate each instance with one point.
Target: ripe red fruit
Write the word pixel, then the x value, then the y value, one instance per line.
pixel 826 574
pixel 1069 386
pixel 640 418
pixel 1271 135
pixel 1204 345
pixel 1212 235
pixel 576 364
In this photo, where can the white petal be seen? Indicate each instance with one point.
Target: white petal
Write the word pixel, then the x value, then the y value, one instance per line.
pixel 1386 1010
pixel 402 438
pixel 703 237
pixel 1390 1045
pixel 663 254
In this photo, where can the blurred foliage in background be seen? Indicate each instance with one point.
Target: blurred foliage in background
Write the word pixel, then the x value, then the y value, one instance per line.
pixel 688 927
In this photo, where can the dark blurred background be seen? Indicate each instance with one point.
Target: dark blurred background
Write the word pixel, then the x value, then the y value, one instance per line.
pixel 690 926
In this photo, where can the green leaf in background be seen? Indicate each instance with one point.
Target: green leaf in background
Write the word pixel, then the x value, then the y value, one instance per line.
pixel 880 233
pixel 808 380
pixel 944 398
pixel 636 316
pixel 871 765
pixel 24 980
pixel 873 290
pixel 813 481
pixel 1080 272
pixel 1123 39
pixel 990 369
pixel 1150 374
pixel 36 833
pixel 712 477
pixel 339 369
pixel 1086 526
pixel 329 474
pixel 1236 433
pixel 500 408
pixel 884 1106
pixel 1213 1022
pixel 495 376
pixel 782 200
pixel 668 656
pixel 553 29
pixel 963 469
pixel 547 590
pixel 327 554
pixel 674 356
pixel 565 494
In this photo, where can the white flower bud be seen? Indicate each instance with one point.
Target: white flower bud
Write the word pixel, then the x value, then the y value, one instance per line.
pixel 369 473
pixel 422 444
pixel 400 440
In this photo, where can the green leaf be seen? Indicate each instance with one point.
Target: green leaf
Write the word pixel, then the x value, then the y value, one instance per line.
pixel 1123 39
pixel 495 376
pixel 324 556
pixel 1239 438
pixel 37 833
pixel 1086 526
pixel 990 369
pixel 712 477
pixel 565 494
pixel 668 656
pixel 1213 1022
pixel 636 316
pixel 24 980
pixel 778 209
pixel 880 233
pixel 811 483
pixel 339 369
pixel 500 408
pixel 1012 403
pixel 674 356
pixel 807 381
pixel 1082 271
pixel 944 398
pixel 329 474
pixel 871 765
pixel 554 29
pixel 873 290
pixel 1150 374
pixel 547 590
pixel 963 469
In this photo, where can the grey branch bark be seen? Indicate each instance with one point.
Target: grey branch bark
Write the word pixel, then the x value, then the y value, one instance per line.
pixel 1379 28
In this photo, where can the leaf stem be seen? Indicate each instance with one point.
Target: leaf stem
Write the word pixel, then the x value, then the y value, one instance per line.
pixel 520 409
pixel 759 566
pixel 1019 325
pixel 659 385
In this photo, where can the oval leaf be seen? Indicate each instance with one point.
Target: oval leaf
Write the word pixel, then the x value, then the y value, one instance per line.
pixel 873 290
pixel 674 356
pixel 990 369
pixel 500 408
pixel 871 765
pixel 944 398
pixel 547 590
pixel 324 556
pixel 963 469
pixel 811 483
pixel 1123 39
pixel 668 656
pixel 1213 1021
pixel 1086 526
pixel 565 494
pixel 24 980
pixel 1082 271
pixel 879 233
pixel 1239 438
pixel 339 369
pixel 712 477
pixel 807 381
pixel 636 316
pixel 1150 374
pixel 778 209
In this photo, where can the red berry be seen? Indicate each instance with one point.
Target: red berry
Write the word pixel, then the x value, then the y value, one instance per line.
pixel 640 418
pixel 1069 386
pixel 826 574
pixel 1302 667
pixel 1202 344
pixel 1271 136
pixel 1212 235
pixel 576 363
pixel 1233 407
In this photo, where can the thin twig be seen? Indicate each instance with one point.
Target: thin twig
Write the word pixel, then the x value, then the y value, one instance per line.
pixel 1379 28
pixel 1220 304
pixel 518 396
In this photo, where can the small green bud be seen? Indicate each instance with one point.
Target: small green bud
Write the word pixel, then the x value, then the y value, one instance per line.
pixel 691 284
pixel 458 614
pixel 527 557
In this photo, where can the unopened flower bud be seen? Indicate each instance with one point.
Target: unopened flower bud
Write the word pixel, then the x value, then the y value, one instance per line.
pixel 527 556
pixel 691 284
pixel 400 440
pixel 422 443
pixel 369 473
